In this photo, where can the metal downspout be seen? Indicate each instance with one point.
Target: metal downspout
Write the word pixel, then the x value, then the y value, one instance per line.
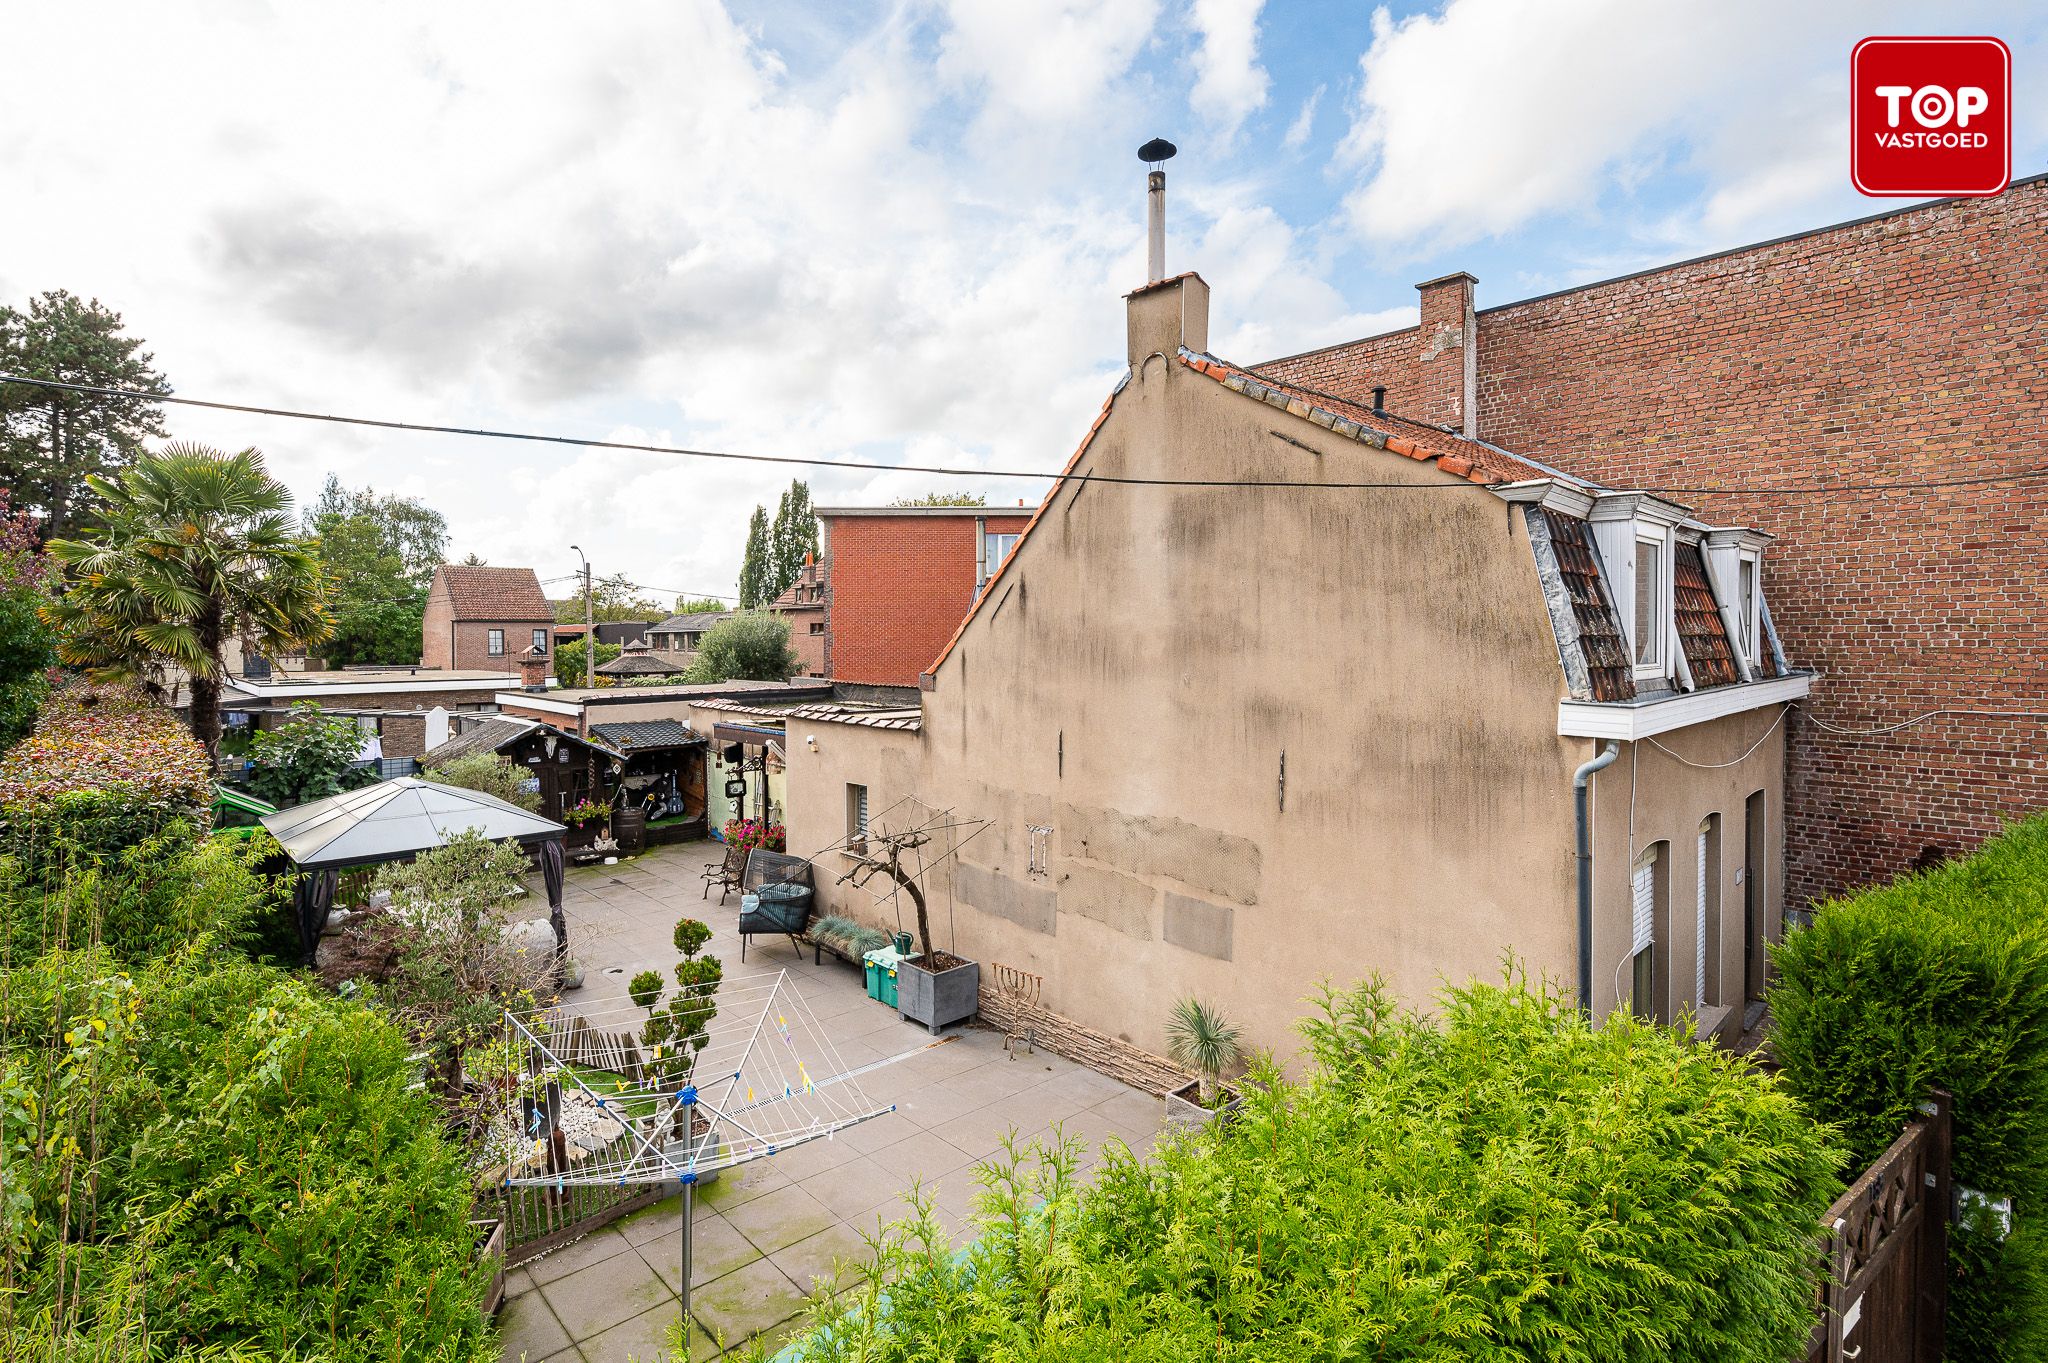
pixel 1581 780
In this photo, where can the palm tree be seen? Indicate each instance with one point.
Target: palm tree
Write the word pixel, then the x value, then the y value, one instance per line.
pixel 199 547
pixel 1201 1039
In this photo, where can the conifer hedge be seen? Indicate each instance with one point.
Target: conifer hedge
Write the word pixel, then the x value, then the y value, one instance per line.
pixel 1500 1184
pixel 1942 979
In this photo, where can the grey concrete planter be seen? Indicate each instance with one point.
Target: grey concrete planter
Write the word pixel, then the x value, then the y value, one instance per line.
pixel 1183 1109
pixel 938 1000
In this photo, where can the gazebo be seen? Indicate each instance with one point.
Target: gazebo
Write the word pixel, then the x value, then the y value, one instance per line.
pixel 395 820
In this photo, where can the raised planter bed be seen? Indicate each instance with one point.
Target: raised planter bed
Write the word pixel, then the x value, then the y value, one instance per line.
pixel 1183 1107
pixel 940 998
pixel 664 832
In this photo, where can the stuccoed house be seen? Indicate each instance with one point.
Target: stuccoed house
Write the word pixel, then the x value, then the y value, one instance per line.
pixel 1234 741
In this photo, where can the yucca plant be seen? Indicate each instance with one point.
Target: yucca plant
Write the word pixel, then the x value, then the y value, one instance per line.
pixel 1203 1040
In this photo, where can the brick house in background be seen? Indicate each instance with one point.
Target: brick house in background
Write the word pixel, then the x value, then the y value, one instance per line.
pixel 803 605
pixel 899 580
pixel 1906 347
pixel 483 617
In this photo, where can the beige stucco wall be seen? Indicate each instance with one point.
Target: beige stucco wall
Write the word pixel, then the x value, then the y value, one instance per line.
pixel 1140 669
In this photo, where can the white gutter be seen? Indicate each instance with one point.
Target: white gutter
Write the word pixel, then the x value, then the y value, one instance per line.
pixel 261 691
pixel 533 700
pixel 1631 720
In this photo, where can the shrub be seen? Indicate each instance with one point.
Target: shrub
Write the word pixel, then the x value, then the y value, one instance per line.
pixel 492 773
pixel 105 769
pixel 748 834
pixel 748 646
pixel 310 756
pixel 1505 1185
pixel 230 1160
pixel 1941 978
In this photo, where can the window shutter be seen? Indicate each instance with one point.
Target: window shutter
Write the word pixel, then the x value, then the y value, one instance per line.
pixel 1645 902
pixel 1699 969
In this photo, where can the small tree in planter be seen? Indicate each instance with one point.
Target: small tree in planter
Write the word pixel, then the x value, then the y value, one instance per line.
pixel 935 987
pixel 1201 1039
pixel 676 1035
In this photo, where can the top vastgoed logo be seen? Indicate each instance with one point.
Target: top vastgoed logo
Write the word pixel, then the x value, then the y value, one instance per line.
pixel 1930 117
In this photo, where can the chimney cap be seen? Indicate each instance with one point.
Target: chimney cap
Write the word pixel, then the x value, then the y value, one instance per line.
pixel 1157 152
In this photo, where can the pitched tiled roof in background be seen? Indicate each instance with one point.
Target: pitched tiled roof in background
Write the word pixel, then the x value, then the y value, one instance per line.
pixel 1608 665
pixel 495 593
pixel 1701 633
pixel 632 736
pixel 682 624
pixel 488 736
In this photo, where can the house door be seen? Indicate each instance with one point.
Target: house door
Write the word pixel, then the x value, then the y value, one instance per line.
pixel 1753 874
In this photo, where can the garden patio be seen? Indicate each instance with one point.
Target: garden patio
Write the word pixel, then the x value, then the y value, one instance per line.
pixel 768 1231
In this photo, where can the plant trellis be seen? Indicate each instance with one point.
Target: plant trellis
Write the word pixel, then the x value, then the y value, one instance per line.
pixel 772 1082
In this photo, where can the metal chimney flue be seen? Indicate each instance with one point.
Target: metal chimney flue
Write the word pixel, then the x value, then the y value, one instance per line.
pixel 1156 154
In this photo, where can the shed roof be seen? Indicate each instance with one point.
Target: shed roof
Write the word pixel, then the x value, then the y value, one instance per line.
pixel 495 593
pixel 640 663
pixel 489 736
pixel 639 735
pixel 395 819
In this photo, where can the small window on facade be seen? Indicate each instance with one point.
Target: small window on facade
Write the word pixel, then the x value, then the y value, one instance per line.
pixel 1746 602
pixel 496 645
pixel 857 817
pixel 1643 927
pixel 998 548
pixel 1653 606
pixel 540 641
pixel 1041 849
pixel 817 626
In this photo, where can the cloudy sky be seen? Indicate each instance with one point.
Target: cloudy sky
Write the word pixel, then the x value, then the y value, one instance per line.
pixel 895 231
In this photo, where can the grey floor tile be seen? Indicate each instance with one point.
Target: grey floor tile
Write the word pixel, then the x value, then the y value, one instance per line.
pixel 741 1305
pixel 716 1250
pixel 781 1218
pixel 814 1262
pixel 856 1188
pixel 528 1330
pixel 643 1339
pixel 593 1300
pixel 600 1244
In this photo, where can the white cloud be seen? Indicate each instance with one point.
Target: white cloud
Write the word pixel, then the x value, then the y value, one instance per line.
pixel 1230 85
pixel 1475 120
pixel 1304 121
pixel 1043 62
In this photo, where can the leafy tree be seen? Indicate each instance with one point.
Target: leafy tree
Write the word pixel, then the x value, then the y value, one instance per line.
pixel 53 442
pixel 569 661
pixel 698 605
pixel 489 772
pixel 757 568
pixel 378 553
pixel 28 648
pixel 199 547
pixel 310 756
pixel 750 646
pixel 792 538
pixel 613 598
pixel 943 499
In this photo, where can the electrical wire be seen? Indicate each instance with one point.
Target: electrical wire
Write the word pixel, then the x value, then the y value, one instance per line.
pixel 877 466
pixel 1717 766
pixel 1818 722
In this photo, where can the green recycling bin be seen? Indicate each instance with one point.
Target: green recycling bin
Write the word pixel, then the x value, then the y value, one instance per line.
pixel 880 965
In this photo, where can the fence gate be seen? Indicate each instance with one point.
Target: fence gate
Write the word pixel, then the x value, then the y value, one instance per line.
pixel 1886 1289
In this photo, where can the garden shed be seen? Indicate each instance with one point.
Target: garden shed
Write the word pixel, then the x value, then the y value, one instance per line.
pixel 394 821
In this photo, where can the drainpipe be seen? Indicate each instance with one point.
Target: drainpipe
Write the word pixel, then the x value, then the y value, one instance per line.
pixel 1581 779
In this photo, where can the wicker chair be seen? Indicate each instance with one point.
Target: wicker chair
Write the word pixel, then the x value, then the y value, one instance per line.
pixel 782 890
pixel 727 874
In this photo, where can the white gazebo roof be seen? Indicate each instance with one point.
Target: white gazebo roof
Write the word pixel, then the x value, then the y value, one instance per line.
pixel 395 819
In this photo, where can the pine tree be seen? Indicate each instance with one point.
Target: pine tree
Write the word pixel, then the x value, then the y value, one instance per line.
pixel 756 569
pixel 793 536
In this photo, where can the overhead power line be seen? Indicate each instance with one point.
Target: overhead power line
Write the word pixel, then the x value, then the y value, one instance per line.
pixel 877 466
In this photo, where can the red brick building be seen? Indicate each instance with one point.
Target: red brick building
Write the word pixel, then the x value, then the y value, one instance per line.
pixel 803 606
pixel 899 580
pixel 483 617
pixel 1906 348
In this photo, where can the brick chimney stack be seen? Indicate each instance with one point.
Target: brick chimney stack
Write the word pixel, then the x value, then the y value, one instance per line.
pixel 1449 389
pixel 533 669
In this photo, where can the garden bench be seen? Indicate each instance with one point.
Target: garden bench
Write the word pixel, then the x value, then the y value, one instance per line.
pixel 727 874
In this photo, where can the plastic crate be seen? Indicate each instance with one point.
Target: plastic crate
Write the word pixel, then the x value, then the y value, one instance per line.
pixel 880 965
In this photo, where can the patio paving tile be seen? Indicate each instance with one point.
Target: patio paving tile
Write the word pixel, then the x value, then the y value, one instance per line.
pixel 810 1262
pixel 644 1338
pixel 528 1330
pixel 600 1244
pixel 924 1155
pixel 855 1188
pixel 592 1300
pixel 743 1304
pixel 572 1354
pixel 781 1218
pixel 1137 1111
pixel 717 1249
pixel 652 1222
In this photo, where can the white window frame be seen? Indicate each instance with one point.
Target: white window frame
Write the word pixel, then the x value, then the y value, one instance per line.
pixel 856 816
pixel 1750 605
pixel 1662 624
pixel 1643 932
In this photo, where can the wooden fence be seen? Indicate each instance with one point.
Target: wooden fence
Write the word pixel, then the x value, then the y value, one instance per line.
pixel 1886 1291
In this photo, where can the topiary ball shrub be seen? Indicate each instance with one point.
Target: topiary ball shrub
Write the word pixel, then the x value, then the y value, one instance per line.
pixel 1941 979
pixel 645 988
pixel 1502 1183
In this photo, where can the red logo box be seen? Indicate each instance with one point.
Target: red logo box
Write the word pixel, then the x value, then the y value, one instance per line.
pixel 1930 117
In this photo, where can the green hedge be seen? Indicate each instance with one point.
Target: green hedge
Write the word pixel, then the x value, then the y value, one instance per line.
pixel 220 1157
pixel 1501 1185
pixel 1941 979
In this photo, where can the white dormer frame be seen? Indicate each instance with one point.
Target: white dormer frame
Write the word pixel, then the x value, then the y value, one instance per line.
pixel 1621 521
pixel 1728 551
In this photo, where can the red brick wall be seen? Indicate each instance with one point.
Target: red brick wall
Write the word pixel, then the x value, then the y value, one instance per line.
pixel 897 588
pixel 1910 347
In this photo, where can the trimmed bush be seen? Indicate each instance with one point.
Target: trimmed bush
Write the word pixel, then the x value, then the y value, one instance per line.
pixel 1941 979
pixel 227 1160
pixel 1502 1185
pixel 105 769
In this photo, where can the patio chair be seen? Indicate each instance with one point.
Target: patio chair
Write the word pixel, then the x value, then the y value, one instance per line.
pixel 727 874
pixel 780 886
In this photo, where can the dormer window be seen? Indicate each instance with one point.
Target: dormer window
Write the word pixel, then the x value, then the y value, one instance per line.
pixel 1653 607
pixel 1746 606
pixel 1636 534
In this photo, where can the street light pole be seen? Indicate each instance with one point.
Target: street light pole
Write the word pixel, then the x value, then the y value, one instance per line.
pixel 589 628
